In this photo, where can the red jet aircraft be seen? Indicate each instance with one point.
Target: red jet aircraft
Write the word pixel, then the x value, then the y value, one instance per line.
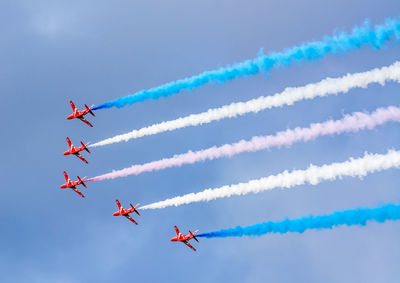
pixel 125 211
pixel 73 184
pixel 75 150
pixel 80 114
pixel 184 238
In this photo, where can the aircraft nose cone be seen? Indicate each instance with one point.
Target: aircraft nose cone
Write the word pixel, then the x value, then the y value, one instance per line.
pixel 173 240
pixel 115 214
pixel 65 153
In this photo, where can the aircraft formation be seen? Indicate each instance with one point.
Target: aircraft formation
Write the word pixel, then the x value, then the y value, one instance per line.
pixel 307 52
pixel 80 114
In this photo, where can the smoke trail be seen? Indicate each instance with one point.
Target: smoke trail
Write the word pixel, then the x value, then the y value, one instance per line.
pixel 339 43
pixel 289 96
pixel 314 175
pixel 350 123
pixel 350 217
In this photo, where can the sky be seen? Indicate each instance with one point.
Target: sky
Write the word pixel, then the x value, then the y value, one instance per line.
pixel 95 51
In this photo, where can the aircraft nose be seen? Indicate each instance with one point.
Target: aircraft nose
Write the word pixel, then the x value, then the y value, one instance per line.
pixel 65 153
pixel 173 239
pixel 115 214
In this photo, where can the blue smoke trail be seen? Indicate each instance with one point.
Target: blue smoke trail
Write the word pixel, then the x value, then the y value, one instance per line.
pixel 358 216
pixel 339 43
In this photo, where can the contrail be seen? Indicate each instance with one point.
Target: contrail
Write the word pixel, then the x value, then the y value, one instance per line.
pixel 350 123
pixel 358 216
pixel 314 175
pixel 329 86
pixel 338 43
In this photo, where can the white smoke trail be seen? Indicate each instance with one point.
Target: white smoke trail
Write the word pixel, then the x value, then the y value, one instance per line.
pixel 314 175
pixel 328 86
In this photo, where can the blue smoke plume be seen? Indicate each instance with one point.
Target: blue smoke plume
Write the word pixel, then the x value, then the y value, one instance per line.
pixel 358 216
pixel 339 43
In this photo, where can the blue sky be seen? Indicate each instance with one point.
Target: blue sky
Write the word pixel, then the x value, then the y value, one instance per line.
pixel 96 51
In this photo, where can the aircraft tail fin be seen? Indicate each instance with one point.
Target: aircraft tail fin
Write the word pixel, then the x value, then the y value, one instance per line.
pixel 84 146
pixel 89 110
pixel 193 235
pixel 82 181
pixel 134 209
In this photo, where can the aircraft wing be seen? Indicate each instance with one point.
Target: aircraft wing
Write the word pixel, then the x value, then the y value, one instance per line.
pixel 131 219
pixel 118 203
pixel 69 142
pixel 81 158
pixel 66 176
pixel 72 105
pixel 177 230
pixel 78 192
pixel 85 121
pixel 189 245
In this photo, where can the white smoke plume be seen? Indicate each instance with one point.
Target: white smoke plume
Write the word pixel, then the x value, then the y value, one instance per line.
pixel 313 175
